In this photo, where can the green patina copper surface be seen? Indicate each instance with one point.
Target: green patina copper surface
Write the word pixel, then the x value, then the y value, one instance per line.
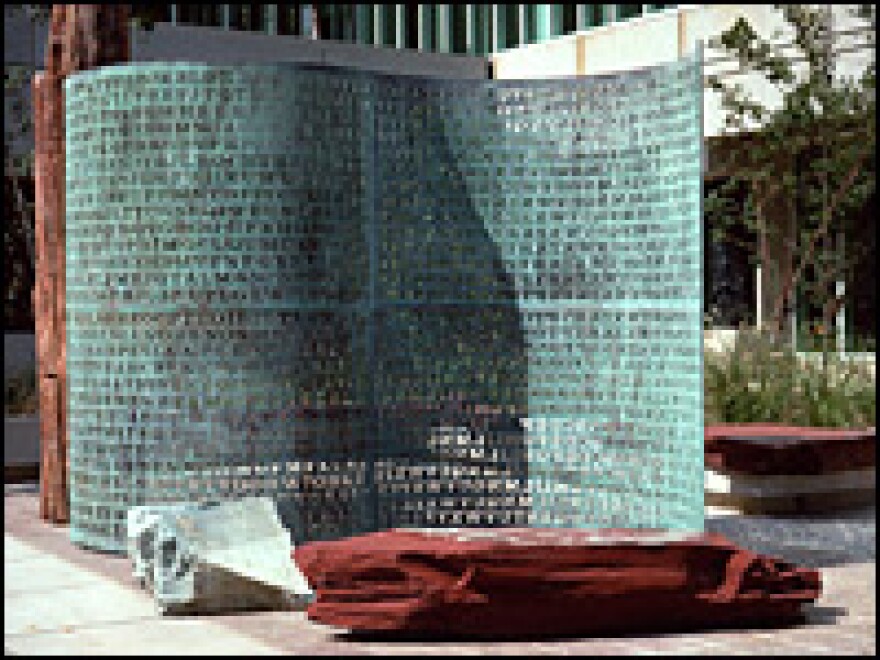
pixel 385 301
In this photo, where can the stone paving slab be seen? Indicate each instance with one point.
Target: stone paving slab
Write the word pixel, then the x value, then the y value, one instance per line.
pixel 165 638
pixel 84 613
pixel 842 622
pixel 813 541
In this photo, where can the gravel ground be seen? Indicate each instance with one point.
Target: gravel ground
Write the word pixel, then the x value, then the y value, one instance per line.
pixel 814 541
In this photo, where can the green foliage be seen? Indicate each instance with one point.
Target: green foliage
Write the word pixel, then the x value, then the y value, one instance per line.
pixel 759 382
pixel 810 158
pixel 18 161
pixel 20 393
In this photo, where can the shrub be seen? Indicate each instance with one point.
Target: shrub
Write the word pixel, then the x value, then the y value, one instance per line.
pixel 21 393
pixel 760 382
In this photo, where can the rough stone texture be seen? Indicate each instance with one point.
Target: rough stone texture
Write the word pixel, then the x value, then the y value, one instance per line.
pixel 765 449
pixel 141 529
pixel 80 37
pixel 782 470
pixel 210 558
pixel 817 541
pixel 841 622
pixel 515 582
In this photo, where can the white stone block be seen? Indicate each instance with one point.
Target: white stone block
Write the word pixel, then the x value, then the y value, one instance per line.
pixel 231 555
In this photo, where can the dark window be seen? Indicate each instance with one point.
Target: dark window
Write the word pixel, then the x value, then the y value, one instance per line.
pixel 327 24
pixel 18 266
pixel 569 19
pixel 817 287
pixel 389 14
pixel 511 25
pixel 204 15
pixel 625 12
pixel 459 29
pixel 531 24
pixel 728 269
pixel 289 19
pixel 156 13
pixel 593 15
pixel 246 17
pixel 411 21
pixel 365 13
pixel 483 29
pixel 430 27
pixel 861 290
pixel 334 22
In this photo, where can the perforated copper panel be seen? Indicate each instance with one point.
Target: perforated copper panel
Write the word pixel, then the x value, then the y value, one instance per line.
pixel 385 301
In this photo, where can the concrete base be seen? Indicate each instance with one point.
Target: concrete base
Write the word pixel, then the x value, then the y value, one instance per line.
pixel 21 441
pixel 786 494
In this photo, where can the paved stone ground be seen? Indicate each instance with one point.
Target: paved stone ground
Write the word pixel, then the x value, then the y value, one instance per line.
pixel 814 541
pixel 61 599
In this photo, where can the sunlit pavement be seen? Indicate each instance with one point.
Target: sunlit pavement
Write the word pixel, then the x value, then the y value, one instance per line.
pixel 60 599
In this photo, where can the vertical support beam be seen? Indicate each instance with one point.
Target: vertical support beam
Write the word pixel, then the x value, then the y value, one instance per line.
pixel 543 22
pixel 580 48
pixel 840 320
pixel 308 29
pixel 173 14
pixel 609 14
pixel 362 24
pixel 469 25
pixel 840 292
pixel 330 13
pixel 400 26
pixel 759 297
pixel 424 28
pixel 523 21
pixel 499 28
pixel 580 17
pixel 378 25
pixel 486 27
pixel 556 20
pixel 226 17
pixel 443 29
pixel 346 17
pixel 272 19
pixel 682 33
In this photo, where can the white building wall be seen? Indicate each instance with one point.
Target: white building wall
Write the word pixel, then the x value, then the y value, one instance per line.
pixel 634 44
pixel 558 57
pixel 664 36
pixel 217 46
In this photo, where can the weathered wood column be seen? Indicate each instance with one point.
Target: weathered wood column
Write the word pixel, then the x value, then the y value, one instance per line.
pixel 80 37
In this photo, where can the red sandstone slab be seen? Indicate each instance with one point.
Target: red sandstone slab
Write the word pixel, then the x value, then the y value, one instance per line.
pixel 764 449
pixel 507 583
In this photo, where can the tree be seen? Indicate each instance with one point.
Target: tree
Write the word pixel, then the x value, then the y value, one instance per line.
pixel 18 207
pixel 808 158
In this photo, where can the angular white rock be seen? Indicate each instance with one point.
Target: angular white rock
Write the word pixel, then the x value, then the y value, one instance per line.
pixel 142 525
pixel 215 557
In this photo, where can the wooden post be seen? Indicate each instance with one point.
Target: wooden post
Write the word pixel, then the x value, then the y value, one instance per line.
pixel 80 37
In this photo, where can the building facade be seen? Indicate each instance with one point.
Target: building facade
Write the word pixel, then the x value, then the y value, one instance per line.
pixel 474 29
pixel 515 41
